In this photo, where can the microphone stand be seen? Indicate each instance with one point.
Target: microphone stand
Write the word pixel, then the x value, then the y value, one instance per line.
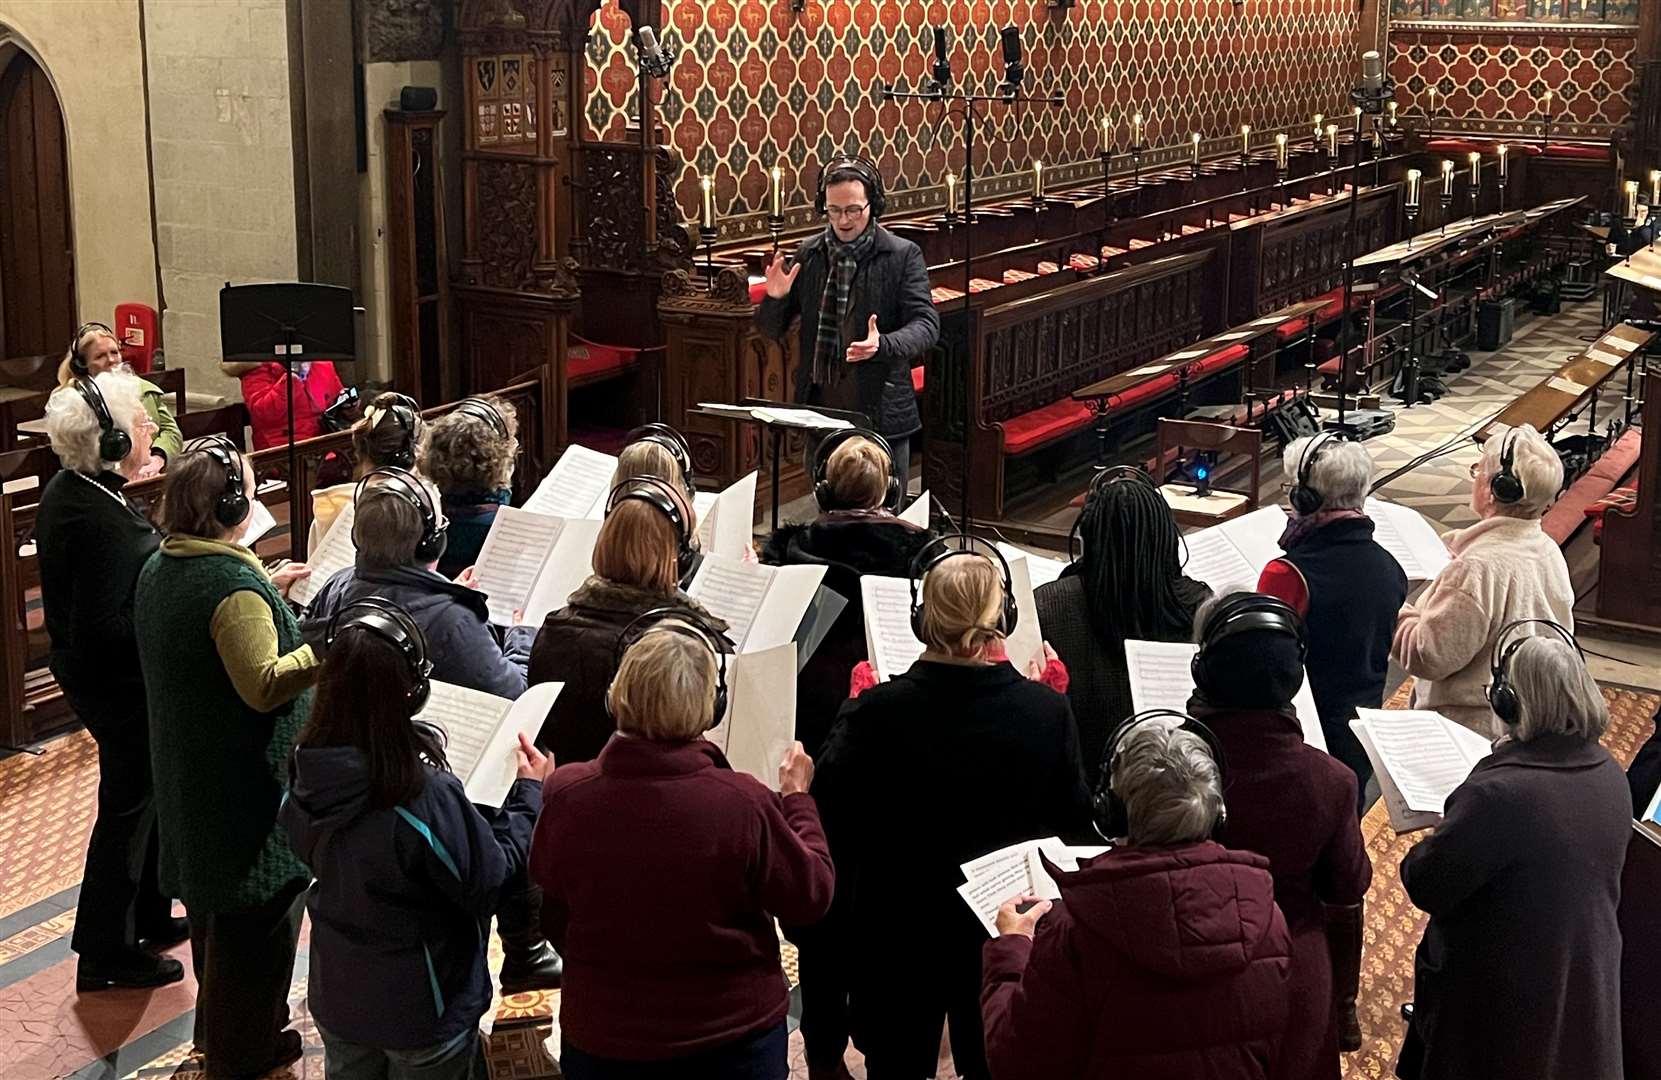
pixel 967 105
pixel 1370 102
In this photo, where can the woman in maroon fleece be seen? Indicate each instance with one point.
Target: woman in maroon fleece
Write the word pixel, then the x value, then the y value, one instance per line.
pixel 1166 958
pixel 662 871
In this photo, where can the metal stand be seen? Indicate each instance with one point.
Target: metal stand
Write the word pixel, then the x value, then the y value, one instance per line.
pixel 1136 177
pixel 706 233
pixel 1445 201
pixel 775 225
pixel 1350 242
pixel 1107 200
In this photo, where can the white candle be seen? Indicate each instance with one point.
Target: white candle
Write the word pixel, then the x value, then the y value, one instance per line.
pixel 1332 140
pixel 1136 130
pixel 775 191
pixel 1320 122
pixel 1447 177
pixel 1655 188
pixel 1245 140
pixel 1476 167
pixel 1280 151
pixel 1413 179
pixel 1038 179
pixel 1196 140
pixel 706 185
pixel 1631 200
pixel 1504 152
pixel 1392 114
pixel 1107 136
pixel 951 193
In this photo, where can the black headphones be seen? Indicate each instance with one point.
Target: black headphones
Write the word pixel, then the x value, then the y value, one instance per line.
pixel 435 532
pixel 1502 695
pixel 232 505
pixel 819 468
pixel 658 493
pixel 392 624
pixel 688 623
pixel 1106 478
pixel 1245 613
pixel 484 409
pixel 113 443
pixel 867 173
pixel 672 441
pixel 1112 819
pixel 1506 486
pixel 940 549
pixel 1305 499
pixel 407 413
pixel 77 363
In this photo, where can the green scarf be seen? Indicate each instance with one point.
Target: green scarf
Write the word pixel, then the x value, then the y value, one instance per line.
pixel 829 348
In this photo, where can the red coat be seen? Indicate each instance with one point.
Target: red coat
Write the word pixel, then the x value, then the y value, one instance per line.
pixel 265 390
pixel 662 871
pixel 1158 964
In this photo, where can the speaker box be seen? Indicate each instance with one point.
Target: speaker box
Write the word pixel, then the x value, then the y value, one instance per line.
pixel 417 99
pixel 1495 320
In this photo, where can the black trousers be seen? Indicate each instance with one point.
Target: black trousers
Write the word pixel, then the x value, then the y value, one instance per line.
pixel 519 916
pixel 244 963
pixel 898 1022
pixel 120 901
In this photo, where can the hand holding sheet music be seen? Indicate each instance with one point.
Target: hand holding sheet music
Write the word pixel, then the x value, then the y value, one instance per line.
pixel 761 605
pixel 1419 758
pixel 1000 876
pixel 481 731
pixel 335 552
pixel 890 645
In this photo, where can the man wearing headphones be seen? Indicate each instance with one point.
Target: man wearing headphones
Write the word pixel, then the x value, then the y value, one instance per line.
pixel 866 312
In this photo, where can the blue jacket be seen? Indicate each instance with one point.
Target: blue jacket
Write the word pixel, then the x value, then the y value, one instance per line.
pixel 463 646
pixel 401 906
pixel 471 518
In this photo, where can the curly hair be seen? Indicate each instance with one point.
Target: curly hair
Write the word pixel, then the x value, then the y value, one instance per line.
pixel 464 455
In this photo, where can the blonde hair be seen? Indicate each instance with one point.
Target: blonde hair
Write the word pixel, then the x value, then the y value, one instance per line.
pixel 858 472
pixel 637 546
pixel 649 459
pixel 665 687
pixel 962 598
pixel 66 367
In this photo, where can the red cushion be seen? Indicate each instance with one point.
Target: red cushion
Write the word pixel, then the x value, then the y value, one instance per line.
pixel 1579 151
pixel 1040 426
pixel 758 291
pixel 1333 308
pixel 917 374
pixel 1456 146
pixel 1569 512
pixel 586 359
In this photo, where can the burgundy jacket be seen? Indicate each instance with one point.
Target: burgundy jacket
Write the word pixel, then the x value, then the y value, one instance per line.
pixel 1158 964
pixel 662 870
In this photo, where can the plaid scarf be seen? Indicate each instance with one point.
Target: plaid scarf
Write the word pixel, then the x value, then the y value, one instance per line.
pixel 829 348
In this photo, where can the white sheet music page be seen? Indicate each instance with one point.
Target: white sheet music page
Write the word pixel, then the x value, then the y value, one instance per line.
pixel 801 418
pixel 260 522
pixel 488 781
pixel 761 713
pixel 783 606
pixel 1409 538
pixel 918 512
pixel 512 557
pixel 996 878
pixel 1213 559
pixel 732 519
pixel 334 553
pixel 1041 569
pixel 703 508
pixel 468 718
pixel 732 590
pixel 1257 535
pixel 891 646
pixel 1026 644
pixel 569 563
pixel 1162 677
pixel 1423 753
pixel 579 480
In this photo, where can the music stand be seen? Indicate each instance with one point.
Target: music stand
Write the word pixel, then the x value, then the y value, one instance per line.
pixel 740 413
pixel 290 322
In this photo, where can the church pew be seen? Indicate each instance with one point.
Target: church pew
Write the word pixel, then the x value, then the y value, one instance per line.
pixel 1632 537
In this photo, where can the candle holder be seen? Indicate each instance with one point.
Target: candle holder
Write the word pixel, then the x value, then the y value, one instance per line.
pixel 1445 201
pixel 1474 192
pixel 707 234
pixel 1136 175
pixel 1411 213
pixel 775 226
pixel 1106 155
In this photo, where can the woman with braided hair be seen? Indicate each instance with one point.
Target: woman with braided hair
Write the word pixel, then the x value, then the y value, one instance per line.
pixel 1127 583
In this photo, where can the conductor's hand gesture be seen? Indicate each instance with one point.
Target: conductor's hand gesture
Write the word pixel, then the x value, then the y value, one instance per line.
pixel 779 280
pixel 864 350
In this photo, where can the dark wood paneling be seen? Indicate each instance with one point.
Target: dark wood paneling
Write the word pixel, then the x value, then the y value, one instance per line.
pixel 35 257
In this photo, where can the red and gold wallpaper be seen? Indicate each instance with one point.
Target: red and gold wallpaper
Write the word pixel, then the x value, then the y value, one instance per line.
pixel 756 82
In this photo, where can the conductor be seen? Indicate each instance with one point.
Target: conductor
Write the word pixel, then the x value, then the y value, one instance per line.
pixel 866 313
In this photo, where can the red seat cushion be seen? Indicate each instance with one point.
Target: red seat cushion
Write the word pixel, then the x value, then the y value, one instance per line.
pixel 1568 513
pixel 1056 420
pixel 587 359
pixel 758 291
pixel 917 378
pixel 1456 146
pixel 1579 151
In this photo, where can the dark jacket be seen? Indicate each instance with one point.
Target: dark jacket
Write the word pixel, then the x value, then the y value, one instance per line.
pixel 464 648
pixel 92 544
pixel 1643 776
pixel 1158 964
pixel 470 517
pixel 577 646
pixel 662 871
pixel 1098 680
pixel 1518 973
pixel 849 545
pixel 403 897
pixel 892 284
pixel 1295 806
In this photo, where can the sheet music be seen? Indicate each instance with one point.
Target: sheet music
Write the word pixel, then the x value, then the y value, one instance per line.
pixel 1409 538
pixel 1214 559
pixel 1565 386
pixel 579 480
pixel 1619 344
pixel 488 781
pixel 1041 569
pixel 732 590
pixel 785 605
pixel 1257 535
pixel 732 519
pixel 801 418
pixel 890 644
pixel 918 512
pixel 513 554
pixel 1000 876
pixel 761 713
pixel 335 552
pixel 1026 644
pixel 703 508
pixel 1598 355
pixel 569 563
pixel 260 522
pixel 469 718
pixel 1162 677
pixel 1425 759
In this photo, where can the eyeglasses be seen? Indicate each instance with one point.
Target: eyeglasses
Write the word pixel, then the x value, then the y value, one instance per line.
pixel 847 213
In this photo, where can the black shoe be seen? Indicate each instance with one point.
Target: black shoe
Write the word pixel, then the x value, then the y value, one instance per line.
pixel 289 1050
pixel 131 971
pixel 1407 1010
pixel 538 969
pixel 164 935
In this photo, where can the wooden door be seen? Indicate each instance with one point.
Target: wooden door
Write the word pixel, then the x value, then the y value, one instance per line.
pixel 37 268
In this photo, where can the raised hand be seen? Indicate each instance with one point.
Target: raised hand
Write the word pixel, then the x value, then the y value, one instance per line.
pixel 864 350
pixel 795 771
pixel 532 764
pixel 779 280
pixel 1011 920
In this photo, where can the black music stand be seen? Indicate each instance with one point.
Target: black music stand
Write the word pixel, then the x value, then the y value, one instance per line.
pixel 741 415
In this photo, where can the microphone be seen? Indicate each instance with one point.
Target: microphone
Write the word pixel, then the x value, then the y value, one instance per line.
pixel 654 58
pixel 1376 88
pixel 942 66
pixel 1014 72
pixel 1372 71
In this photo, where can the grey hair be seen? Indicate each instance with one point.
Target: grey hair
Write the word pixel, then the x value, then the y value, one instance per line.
pixel 1209 606
pixel 1556 695
pixel 1341 470
pixel 72 426
pixel 1535 464
pixel 1172 791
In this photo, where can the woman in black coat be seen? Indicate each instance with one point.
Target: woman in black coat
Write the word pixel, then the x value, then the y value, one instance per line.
pixel 1518 974
pixel 955 758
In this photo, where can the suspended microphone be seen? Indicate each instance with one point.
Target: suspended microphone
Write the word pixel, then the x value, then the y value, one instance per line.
pixel 1014 72
pixel 654 58
pixel 942 66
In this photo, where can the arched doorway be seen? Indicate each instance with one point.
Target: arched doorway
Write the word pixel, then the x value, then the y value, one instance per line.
pixel 37 261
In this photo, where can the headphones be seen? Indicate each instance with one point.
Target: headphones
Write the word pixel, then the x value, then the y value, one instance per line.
pixel 232 505
pixel 1112 819
pixel 1305 499
pixel 435 533
pixel 484 409
pixel 1245 613
pixel 867 173
pixel 1113 474
pixel 392 624
pixel 940 549
pixel 77 363
pixel 658 493
pixel 408 414
pixel 1506 486
pixel 672 441
pixel 113 443
pixel 1502 695
pixel 819 468
pixel 688 623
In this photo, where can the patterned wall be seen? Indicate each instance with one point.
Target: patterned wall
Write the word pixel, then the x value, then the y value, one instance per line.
pixel 757 82
pixel 1495 79
pixel 1618 11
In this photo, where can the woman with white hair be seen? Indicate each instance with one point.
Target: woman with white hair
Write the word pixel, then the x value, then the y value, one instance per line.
pixel 94 350
pixel 1345 586
pixel 93 542
pixel 1504 568
pixel 1519 972
pixel 1167 955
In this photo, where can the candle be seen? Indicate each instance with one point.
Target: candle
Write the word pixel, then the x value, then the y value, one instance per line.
pixel 1392 107
pixel 1136 130
pixel 1504 152
pixel 1107 137
pixel 1320 119
pixel 1631 213
pixel 1447 177
pixel 706 185
pixel 951 193
pixel 1038 179
pixel 1475 158
pixel 1196 140
pixel 1413 178
pixel 1433 103
pixel 775 192
pixel 1280 151
pixel 1356 115
pixel 1547 102
pixel 1655 187
pixel 1332 140
pixel 1245 140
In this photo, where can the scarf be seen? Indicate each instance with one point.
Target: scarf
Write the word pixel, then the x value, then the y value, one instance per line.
pixel 1299 529
pixel 829 348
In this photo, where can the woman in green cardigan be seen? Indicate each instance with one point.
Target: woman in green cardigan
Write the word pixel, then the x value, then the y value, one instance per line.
pixel 95 350
pixel 228 681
